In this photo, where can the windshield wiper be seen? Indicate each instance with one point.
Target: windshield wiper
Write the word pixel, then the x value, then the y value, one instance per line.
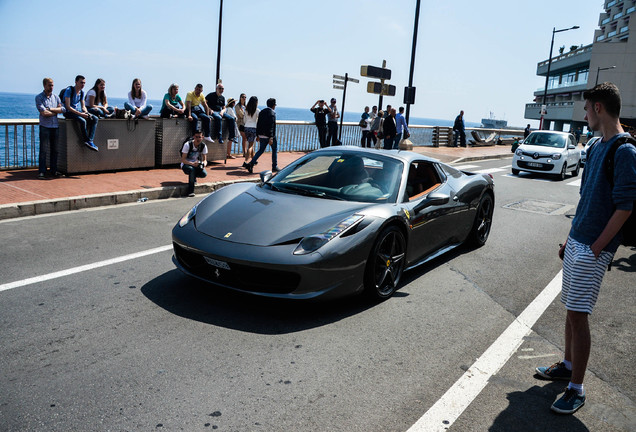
pixel 306 192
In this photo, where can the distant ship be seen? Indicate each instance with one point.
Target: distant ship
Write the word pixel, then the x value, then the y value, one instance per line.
pixel 493 123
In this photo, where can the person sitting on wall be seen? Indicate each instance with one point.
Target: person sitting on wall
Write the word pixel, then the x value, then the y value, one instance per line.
pixel 76 109
pixel 96 101
pixel 194 159
pixel 137 98
pixel 198 109
pixel 216 102
pixel 172 105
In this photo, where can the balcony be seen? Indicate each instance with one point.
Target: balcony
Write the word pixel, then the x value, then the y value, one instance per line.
pixel 570 60
pixel 555 111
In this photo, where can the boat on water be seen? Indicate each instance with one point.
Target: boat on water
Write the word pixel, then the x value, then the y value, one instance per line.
pixel 493 123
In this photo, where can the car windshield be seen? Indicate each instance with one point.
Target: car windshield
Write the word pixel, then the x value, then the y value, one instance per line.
pixel 546 139
pixel 341 176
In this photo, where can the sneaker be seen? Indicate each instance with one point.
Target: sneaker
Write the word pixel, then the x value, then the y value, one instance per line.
pixel 58 174
pixel 208 138
pixel 250 168
pixel 41 176
pixel 191 194
pixel 569 403
pixel 91 145
pixel 557 371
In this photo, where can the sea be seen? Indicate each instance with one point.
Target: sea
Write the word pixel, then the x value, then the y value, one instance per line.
pixel 22 106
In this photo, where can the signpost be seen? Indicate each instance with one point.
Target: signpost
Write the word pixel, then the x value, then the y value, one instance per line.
pixel 378 87
pixel 340 83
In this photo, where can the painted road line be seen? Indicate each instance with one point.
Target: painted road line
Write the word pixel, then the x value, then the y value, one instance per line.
pixel 489 171
pixel 575 183
pixel 448 409
pixel 87 267
pixel 465 167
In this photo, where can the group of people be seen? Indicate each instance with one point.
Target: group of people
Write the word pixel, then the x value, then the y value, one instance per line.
pixel 251 123
pixel 84 109
pixel 389 125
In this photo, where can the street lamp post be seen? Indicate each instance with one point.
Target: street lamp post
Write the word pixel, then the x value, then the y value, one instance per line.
pixel 547 76
pixel 599 69
pixel 218 50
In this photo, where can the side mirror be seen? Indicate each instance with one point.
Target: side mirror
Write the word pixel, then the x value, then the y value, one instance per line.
pixel 265 176
pixel 571 146
pixel 432 199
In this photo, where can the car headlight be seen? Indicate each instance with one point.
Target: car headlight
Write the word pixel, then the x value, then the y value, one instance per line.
pixel 314 242
pixel 519 152
pixel 188 216
pixel 556 156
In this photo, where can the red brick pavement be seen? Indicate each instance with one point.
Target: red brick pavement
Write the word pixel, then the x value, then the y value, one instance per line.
pixel 19 186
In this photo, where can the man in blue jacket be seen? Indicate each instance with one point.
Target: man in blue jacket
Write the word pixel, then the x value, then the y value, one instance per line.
pixel 266 132
pixel 594 238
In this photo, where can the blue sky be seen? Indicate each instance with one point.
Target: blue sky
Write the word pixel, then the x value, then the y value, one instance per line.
pixel 479 56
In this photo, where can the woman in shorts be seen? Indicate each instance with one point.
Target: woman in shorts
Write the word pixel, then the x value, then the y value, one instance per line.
pixel 251 117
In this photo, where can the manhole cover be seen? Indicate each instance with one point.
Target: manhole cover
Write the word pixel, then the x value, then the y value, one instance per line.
pixel 541 207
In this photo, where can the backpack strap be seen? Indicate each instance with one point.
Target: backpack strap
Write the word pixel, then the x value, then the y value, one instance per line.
pixel 611 156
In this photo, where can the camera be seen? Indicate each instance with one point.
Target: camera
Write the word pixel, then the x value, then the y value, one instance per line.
pixel 201 165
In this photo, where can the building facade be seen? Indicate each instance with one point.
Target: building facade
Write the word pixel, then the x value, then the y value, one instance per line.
pixel 610 57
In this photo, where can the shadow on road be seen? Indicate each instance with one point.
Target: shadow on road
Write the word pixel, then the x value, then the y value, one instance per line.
pixel 196 300
pixel 530 411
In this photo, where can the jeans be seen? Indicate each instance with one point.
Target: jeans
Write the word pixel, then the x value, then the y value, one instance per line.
pixel 389 142
pixel 322 135
pixel 461 135
pixel 262 145
pixel 193 173
pixel 48 142
pixel 332 138
pixel 99 113
pixel 398 138
pixel 365 141
pixel 198 113
pixel 87 127
pixel 230 126
pixel 216 118
pixel 133 109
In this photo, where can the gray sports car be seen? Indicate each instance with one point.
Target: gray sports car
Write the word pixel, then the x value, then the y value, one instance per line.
pixel 337 221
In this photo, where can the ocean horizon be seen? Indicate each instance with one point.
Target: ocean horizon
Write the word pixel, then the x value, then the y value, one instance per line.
pixel 22 106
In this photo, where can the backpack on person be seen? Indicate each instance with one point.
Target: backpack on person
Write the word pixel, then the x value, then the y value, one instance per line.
pixel 629 227
pixel 71 91
pixel 190 141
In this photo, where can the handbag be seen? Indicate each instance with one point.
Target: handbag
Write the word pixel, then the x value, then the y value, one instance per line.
pixel 363 123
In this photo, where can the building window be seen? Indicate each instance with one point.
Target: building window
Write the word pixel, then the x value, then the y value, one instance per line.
pixel 610 4
pixel 630 10
pixel 624 29
pixel 618 15
pixel 600 38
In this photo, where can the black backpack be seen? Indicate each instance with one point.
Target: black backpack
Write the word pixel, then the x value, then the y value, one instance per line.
pixel 629 227
pixel 190 141
pixel 72 89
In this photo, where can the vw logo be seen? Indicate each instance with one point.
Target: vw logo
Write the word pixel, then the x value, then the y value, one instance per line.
pixel 535 156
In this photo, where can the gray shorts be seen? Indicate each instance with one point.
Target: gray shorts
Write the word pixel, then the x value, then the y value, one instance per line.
pixel 582 276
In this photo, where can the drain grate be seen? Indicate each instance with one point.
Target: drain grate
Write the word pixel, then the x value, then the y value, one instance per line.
pixel 541 207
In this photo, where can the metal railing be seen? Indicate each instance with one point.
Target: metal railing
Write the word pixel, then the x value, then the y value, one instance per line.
pixel 19 139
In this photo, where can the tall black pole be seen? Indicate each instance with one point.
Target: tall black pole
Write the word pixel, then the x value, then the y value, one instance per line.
pixel 547 77
pixel 381 87
pixel 417 20
pixel 344 95
pixel 218 50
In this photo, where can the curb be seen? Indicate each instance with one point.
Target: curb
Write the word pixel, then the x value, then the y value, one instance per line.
pixel 478 158
pixel 33 208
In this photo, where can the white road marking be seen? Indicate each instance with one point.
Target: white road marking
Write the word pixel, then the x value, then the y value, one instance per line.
pixel 575 183
pixel 490 170
pixel 465 167
pixel 450 406
pixel 87 267
pixel 528 357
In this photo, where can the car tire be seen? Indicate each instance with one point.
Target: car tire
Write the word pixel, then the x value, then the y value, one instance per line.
pixel 385 264
pixel 515 171
pixel 576 170
pixel 483 221
pixel 561 175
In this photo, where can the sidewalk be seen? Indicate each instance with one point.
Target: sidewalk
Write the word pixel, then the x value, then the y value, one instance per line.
pixel 22 194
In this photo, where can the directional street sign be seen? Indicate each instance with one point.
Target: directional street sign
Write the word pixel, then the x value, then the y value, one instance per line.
pixel 375 72
pixel 354 80
pixel 338 87
pixel 338 82
pixel 378 88
pixel 340 77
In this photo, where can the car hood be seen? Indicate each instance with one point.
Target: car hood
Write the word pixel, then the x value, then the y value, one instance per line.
pixel 540 149
pixel 250 214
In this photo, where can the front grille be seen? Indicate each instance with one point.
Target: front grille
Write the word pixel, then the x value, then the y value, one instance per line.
pixel 539 156
pixel 243 277
pixel 544 167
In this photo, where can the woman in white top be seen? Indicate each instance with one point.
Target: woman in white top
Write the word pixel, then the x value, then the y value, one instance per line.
pixel 96 101
pixel 251 117
pixel 137 100
pixel 240 119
